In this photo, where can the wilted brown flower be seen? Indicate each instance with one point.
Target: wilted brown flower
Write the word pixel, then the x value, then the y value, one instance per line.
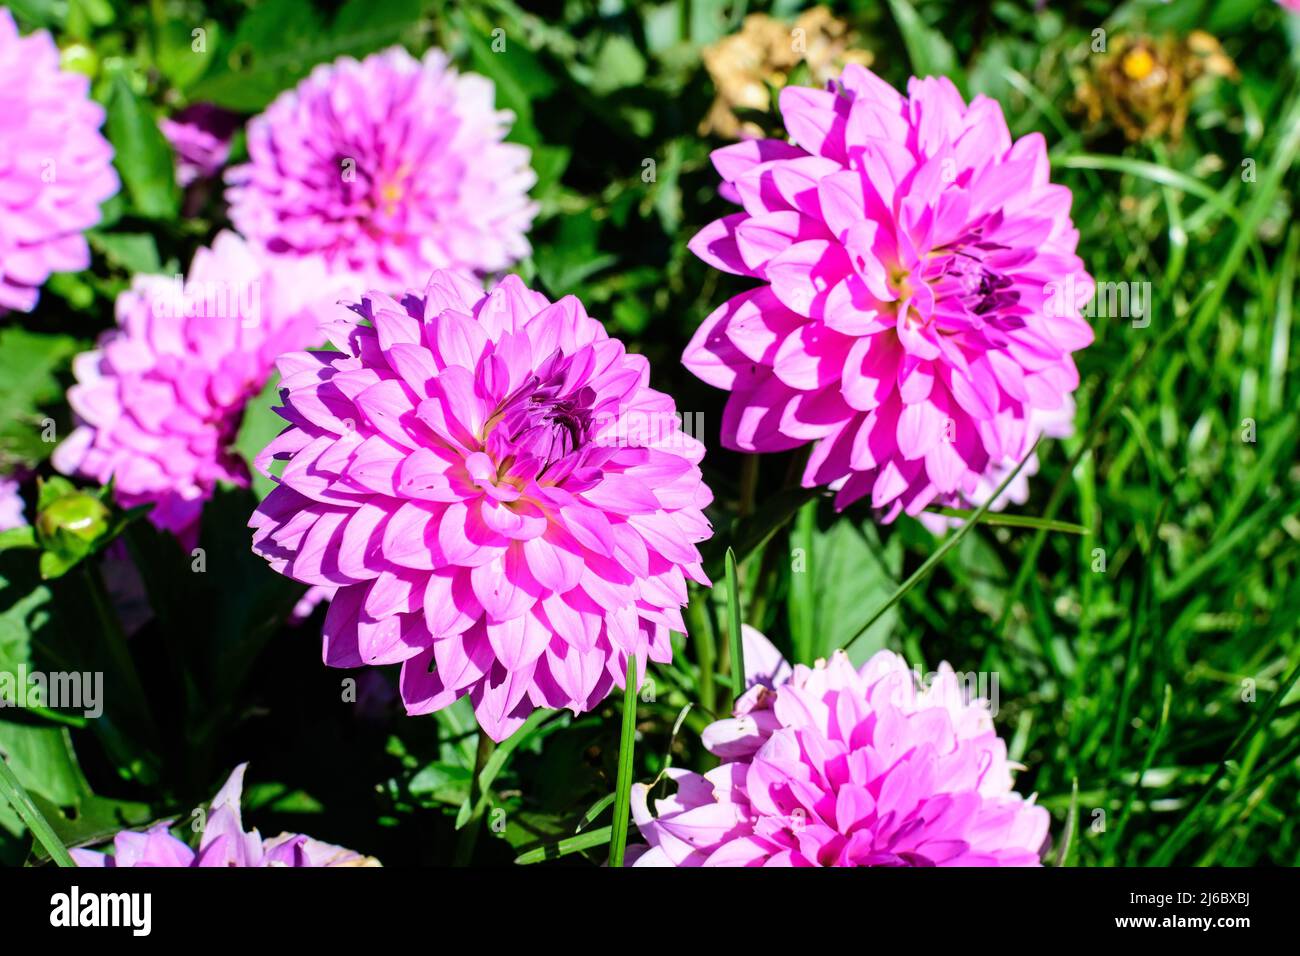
pixel 1145 85
pixel 763 54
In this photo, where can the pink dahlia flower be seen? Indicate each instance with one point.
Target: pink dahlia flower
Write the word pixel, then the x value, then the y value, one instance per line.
pixel 55 167
pixel 316 595
pixel 505 505
pixel 160 401
pixel 832 766
pixel 11 505
pixel 200 135
pixel 384 170
pixel 919 295
pixel 224 843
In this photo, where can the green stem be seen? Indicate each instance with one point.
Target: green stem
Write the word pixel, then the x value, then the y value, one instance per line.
pixel 623 785
pixel 748 484
pixel 13 791
pixel 468 838
pixel 706 651
pixel 733 626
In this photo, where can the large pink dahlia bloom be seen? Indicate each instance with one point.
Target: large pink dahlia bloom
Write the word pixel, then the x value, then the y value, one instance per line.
pixel 55 167
pixel 160 401
pixel 832 766
pixel 505 505
pixel 920 293
pixel 224 843
pixel 384 170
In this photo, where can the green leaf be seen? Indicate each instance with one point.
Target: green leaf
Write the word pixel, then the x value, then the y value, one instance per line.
pixel 573 844
pixel 141 153
pixel 931 54
pixel 278 42
pixel 848 572
pixel 22 537
pixel 519 76
pixel 748 534
pixel 183 57
pixel 565 263
pixel 259 426
pixel 38 13
pixel 734 632
pixel 374 24
pixel 42 759
pixel 12 790
pixel 619 64
pixel 29 366
pixel 131 251
pixel 23 611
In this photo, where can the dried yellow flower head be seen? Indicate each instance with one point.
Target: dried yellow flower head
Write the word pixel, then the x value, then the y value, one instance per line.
pixel 1145 85
pixel 763 54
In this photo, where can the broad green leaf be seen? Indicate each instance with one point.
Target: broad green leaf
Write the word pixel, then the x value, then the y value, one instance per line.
pixel 141 153
pixel 186 50
pixel 29 363
pixel 131 251
pixel 849 573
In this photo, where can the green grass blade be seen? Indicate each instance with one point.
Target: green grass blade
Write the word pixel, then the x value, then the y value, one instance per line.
pixel 697 616
pixel 623 786
pixel 573 844
pixel 1184 830
pixel 1011 521
pixel 1065 854
pixel 948 544
pixel 13 791
pixel 1152 172
pixel 595 810
pixel 750 533
pixel 734 631
pixel 1157 739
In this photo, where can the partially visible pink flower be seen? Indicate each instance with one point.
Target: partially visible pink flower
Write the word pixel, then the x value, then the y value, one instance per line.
pixel 385 170
pixel 839 766
pixel 11 505
pixel 224 843
pixel 505 505
pixel 316 595
pixel 160 401
pixel 55 167
pixel 200 136
pixel 919 291
pixel 1292 5
pixel 1058 423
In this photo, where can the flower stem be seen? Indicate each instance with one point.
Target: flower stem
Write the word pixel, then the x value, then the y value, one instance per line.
pixel 468 838
pixel 706 651
pixel 734 629
pixel 623 786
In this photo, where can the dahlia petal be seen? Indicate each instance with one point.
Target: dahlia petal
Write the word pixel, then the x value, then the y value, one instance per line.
pixel 716 245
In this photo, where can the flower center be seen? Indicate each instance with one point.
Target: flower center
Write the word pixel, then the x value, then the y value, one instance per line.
pixel 981 289
pixel 900 279
pixel 542 422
